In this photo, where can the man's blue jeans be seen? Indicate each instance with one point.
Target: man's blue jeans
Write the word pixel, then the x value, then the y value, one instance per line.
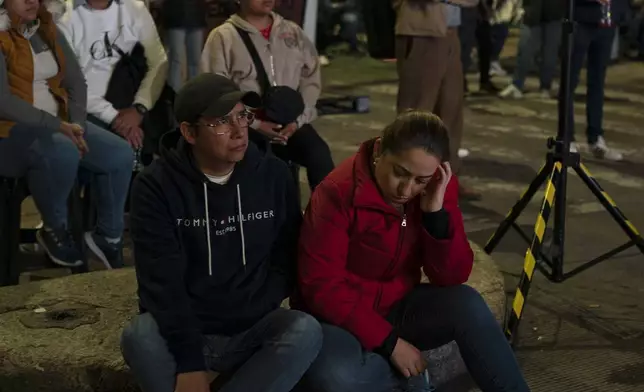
pixel 271 356
pixel 428 317
pixel 544 38
pixel 51 161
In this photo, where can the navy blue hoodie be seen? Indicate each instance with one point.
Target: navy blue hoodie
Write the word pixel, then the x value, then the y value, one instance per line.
pixel 217 278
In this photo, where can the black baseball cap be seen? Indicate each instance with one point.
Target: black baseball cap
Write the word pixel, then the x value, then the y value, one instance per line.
pixel 210 95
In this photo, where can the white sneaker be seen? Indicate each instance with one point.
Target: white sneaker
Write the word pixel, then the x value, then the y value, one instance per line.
pixel 511 91
pixel 496 69
pixel 324 61
pixel 574 147
pixel 601 150
pixel 546 94
pixel 463 152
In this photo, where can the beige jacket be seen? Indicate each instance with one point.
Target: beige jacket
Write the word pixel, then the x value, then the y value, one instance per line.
pixel 290 59
pixel 424 18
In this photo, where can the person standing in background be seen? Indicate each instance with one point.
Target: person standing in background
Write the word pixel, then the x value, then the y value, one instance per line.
pixel 503 14
pixel 184 22
pixel 596 21
pixel 427 39
pixel 475 29
pixel 540 32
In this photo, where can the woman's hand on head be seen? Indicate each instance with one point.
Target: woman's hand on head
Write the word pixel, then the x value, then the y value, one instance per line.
pixel 433 195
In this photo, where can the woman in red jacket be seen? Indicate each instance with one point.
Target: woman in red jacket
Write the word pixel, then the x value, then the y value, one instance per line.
pixel 370 227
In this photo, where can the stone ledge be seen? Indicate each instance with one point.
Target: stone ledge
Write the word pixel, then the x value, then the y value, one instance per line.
pixel 62 335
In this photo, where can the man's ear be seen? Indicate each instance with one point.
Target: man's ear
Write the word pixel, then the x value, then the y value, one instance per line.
pixel 189 132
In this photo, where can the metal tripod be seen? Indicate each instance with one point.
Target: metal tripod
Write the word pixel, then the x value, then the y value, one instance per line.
pixel 554 174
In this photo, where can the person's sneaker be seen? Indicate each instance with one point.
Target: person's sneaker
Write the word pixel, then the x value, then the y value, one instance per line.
pixel 601 150
pixel 511 91
pixel 488 88
pixel 420 383
pixel 496 69
pixel 546 94
pixel 324 60
pixel 60 246
pixel 463 152
pixel 111 254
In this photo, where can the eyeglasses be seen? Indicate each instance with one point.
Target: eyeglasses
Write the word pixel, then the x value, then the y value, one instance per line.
pixel 242 119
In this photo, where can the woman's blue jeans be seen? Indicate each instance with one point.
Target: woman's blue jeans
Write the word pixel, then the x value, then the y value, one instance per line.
pixel 428 318
pixel 50 162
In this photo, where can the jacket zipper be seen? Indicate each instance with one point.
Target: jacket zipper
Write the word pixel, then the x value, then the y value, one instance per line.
pixel 272 61
pixel 401 237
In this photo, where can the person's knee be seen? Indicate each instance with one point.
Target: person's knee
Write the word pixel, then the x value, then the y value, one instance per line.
pixel 123 157
pixel 121 154
pixel 342 366
pixel 304 332
pixel 472 303
pixel 61 155
pixel 332 372
pixel 141 340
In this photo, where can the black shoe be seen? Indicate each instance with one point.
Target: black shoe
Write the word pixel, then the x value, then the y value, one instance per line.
pixel 60 246
pixel 110 254
pixel 489 88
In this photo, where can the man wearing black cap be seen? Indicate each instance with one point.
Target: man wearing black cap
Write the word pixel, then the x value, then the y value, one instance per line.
pixel 215 225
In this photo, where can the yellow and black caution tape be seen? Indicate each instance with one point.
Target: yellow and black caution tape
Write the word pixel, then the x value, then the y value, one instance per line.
pixel 609 199
pixel 533 251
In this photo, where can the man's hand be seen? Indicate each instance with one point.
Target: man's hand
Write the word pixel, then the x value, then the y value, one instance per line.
pixel 432 197
pixel 134 136
pixel 289 130
pixel 271 131
pixel 128 118
pixel 408 359
pixel 192 382
pixel 75 133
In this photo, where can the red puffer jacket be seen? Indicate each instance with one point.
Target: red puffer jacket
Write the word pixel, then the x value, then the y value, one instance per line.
pixel 358 256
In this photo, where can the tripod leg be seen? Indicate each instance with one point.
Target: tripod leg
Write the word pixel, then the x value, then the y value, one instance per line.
pixel 610 206
pixel 530 261
pixel 518 207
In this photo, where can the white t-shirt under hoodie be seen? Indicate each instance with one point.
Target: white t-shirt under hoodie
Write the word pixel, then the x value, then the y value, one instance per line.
pixel 92 33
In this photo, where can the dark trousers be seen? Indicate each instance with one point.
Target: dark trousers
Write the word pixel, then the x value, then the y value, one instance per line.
pixel 498 36
pixel 475 31
pixel 593 44
pixel 306 148
pixel 439 91
pixel 428 318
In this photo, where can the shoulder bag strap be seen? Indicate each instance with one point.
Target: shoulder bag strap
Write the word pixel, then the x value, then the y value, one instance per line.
pixel 262 76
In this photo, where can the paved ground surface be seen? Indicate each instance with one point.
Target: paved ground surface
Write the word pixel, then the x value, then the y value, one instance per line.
pixel 586 334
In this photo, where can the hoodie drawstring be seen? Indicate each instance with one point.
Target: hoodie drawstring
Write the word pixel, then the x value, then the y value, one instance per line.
pixel 241 226
pixel 205 196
